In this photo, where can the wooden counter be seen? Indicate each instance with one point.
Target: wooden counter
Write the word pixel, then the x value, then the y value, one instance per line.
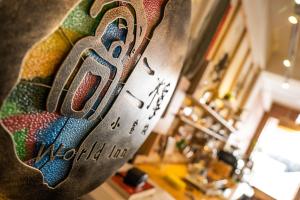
pixel 158 172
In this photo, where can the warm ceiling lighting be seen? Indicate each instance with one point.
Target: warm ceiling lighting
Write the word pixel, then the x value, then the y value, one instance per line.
pixel 287 62
pixel 285 85
pixel 297 121
pixel 297 1
pixel 187 111
pixel 293 19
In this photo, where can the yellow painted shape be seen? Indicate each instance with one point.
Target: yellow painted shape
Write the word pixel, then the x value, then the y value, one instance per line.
pixel 158 173
pixel 175 181
pixel 44 58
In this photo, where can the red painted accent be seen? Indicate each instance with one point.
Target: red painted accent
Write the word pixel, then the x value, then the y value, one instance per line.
pixel 86 87
pixel 32 123
pixel 153 9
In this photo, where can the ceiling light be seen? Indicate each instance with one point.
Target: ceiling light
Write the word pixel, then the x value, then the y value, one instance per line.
pixel 293 19
pixel 298 120
pixel 287 62
pixel 297 1
pixel 202 100
pixel 285 85
pixel 187 111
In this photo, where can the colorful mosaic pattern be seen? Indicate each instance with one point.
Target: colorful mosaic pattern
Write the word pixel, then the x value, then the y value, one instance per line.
pixel 24 114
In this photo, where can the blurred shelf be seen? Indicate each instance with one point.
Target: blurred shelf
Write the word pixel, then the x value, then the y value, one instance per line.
pixel 215 115
pixel 203 129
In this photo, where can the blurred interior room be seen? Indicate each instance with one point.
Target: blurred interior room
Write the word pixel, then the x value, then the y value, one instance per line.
pixel 232 128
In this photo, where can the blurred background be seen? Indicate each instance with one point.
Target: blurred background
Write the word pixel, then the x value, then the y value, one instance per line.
pixel 232 129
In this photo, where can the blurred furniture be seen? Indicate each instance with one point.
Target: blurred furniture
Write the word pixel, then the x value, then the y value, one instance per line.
pixel 106 192
pixel 259 195
pixel 229 159
pixel 158 174
pixel 219 170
